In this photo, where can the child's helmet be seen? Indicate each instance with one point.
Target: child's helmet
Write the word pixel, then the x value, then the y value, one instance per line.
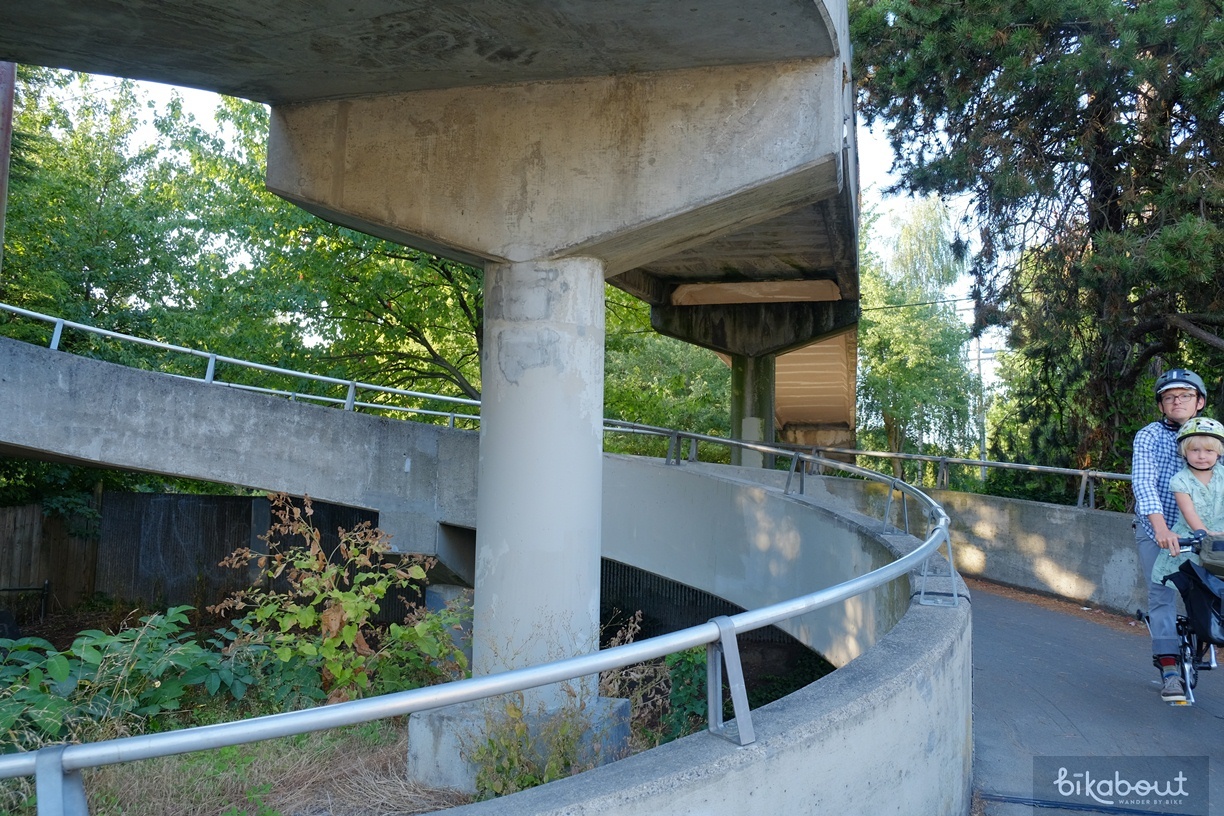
pixel 1180 378
pixel 1201 426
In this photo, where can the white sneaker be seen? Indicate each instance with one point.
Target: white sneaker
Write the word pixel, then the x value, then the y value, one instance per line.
pixel 1173 690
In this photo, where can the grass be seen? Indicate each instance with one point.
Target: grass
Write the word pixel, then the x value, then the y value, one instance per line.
pixel 354 771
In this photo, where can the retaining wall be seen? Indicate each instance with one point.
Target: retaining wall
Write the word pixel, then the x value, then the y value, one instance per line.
pixel 1082 555
pixel 890 732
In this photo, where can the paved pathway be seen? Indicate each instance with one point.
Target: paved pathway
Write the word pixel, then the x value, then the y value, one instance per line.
pixel 1047 683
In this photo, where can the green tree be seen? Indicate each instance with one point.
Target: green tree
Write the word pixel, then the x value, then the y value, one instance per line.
pixel 1087 134
pixel 84 239
pixel 914 389
pixel 369 309
pixel 658 380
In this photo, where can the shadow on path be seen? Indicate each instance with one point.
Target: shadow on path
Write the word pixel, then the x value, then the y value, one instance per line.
pixel 1049 683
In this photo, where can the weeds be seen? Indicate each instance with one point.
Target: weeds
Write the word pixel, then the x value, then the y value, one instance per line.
pixel 322 617
pixel 295 647
pixel 343 772
pixel 519 749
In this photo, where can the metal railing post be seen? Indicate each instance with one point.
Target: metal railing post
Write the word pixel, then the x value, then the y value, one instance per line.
pixel 60 792
pixel 211 374
pixel 892 486
pixel 673 448
pixel 926 598
pixel 55 335
pixel 790 475
pixel 726 650
pixel 351 399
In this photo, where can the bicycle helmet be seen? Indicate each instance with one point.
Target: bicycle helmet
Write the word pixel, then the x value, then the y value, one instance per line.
pixel 1201 426
pixel 1180 378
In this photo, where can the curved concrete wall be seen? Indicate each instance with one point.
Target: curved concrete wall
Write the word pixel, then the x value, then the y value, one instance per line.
pixel 724 530
pixel 1083 555
pixel 888 733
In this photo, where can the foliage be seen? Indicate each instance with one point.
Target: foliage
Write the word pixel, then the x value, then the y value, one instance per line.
pixel 687 700
pixel 107 685
pixel 358 305
pixel 521 749
pixel 656 380
pixel 316 608
pixel 1087 136
pixel 914 388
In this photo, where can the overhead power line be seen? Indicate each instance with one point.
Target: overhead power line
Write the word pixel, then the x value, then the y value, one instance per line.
pixel 923 303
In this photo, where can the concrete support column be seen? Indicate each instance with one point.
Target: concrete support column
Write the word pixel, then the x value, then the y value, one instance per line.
pixel 538 512
pixel 752 405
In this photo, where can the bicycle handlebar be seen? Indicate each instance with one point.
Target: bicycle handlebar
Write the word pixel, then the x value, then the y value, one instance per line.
pixel 1194 541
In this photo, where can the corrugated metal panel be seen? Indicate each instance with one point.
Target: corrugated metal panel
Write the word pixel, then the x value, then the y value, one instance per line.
pixel 165 549
pixel 666 605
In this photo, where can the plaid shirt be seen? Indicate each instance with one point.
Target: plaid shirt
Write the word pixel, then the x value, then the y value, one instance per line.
pixel 1153 465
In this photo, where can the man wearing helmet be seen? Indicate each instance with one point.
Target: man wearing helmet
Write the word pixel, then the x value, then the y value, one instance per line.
pixel 1180 396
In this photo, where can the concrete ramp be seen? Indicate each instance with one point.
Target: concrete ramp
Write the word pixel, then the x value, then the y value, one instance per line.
pixel 1049 683
pixel 156 423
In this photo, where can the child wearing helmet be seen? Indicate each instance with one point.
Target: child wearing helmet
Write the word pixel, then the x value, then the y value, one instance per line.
pixel 1180 396
pixel 1198 489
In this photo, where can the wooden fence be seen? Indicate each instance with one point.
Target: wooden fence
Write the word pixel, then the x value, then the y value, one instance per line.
pixel 159 549
pixel 35 549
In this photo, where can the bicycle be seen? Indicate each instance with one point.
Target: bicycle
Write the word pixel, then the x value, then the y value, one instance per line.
pixel 1201 628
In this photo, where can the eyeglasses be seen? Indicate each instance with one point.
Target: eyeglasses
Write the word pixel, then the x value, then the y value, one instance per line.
pixel 1179 399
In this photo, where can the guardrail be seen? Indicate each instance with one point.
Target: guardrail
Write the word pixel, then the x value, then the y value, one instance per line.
pixel 1087 478
pixel 349 401
pixel 57 769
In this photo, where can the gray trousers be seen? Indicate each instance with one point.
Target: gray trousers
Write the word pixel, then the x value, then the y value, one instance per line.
pixel 1162 599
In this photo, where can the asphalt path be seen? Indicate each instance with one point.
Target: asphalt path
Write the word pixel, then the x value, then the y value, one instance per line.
pixel 1051 684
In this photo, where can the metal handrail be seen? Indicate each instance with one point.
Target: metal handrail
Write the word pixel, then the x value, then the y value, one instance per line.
pixel 57 768
pixel 1088 477
pixel 952 460
pixel 352 386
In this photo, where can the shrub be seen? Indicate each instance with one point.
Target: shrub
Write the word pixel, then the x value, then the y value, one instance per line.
pixel 323 616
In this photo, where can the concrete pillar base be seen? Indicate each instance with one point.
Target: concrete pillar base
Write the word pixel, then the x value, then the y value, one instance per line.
pixel 441 742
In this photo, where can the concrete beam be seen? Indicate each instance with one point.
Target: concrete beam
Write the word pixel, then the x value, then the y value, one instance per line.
pixel 621 169
pixel 280 52
pixel 755 329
